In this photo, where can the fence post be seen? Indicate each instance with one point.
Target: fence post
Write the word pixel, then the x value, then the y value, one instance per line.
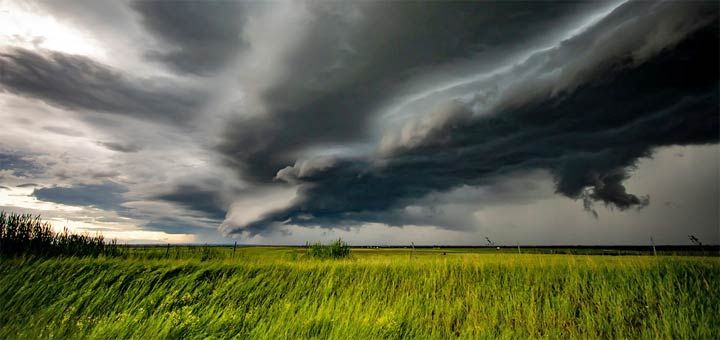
pixel 234 246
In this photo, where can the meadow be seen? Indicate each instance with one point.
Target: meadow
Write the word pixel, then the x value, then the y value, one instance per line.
pixel 281 292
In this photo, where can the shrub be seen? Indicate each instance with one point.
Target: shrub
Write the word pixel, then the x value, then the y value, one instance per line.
pixel 335 250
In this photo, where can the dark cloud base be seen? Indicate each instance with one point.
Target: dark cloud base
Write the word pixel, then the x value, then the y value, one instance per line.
pixel 644 76
pixel 198 198
pixel 589 139
pixel 79 83
pixel 107 196
pixel 348 68
pixel 203 36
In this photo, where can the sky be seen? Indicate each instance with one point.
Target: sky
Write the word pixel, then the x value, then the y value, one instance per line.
pixel 381 123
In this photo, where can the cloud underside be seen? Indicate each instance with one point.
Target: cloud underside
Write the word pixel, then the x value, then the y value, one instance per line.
pixel 201 48
pixel 80 83
pixel 337 114
pixel 354 58
pixel 585 117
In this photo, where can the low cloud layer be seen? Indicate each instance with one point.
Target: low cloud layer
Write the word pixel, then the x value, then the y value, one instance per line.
pixel 585 121
pixel 253 120
pixel 79 83
pixel 104 196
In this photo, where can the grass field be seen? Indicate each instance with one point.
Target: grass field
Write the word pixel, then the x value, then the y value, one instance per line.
pixel 265 292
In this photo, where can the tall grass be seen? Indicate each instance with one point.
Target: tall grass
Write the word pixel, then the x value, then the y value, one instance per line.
pixel 27 235
pixel 264 294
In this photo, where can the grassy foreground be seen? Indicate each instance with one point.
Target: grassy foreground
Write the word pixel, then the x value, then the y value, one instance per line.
pixel 279 293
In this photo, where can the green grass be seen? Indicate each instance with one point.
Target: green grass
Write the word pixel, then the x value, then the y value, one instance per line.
pixel 334 250
pixel 264 292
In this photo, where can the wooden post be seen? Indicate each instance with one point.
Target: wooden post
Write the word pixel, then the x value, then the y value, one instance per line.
pixel 518 248
pixel 234 246
pixel 167 251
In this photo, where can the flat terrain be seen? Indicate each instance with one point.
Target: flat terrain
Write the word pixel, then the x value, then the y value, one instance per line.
pixel 276 292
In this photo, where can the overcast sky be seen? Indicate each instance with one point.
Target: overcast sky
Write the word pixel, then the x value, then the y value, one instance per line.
pixel 378 122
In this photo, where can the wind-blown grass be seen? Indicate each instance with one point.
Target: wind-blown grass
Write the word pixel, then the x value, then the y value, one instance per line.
pixel 273 293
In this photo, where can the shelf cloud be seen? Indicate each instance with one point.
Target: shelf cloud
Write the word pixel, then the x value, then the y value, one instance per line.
pixel 260 120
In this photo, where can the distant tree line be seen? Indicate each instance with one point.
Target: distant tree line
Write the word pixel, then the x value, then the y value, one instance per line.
pixel 28 235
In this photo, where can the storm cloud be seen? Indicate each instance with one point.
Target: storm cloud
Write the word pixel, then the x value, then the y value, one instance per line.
pixel 277 121
pixel 198 198
pixel 587 125
pixel 76 82
pixel 202 36
pixel 353 55
pixel 108 195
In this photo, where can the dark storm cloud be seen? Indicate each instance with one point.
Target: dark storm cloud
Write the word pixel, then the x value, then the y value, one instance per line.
pixel 608 110
pixel 202 36
pixel 76 82
pixel 107 196
pixel 198 198
pixel 357 54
